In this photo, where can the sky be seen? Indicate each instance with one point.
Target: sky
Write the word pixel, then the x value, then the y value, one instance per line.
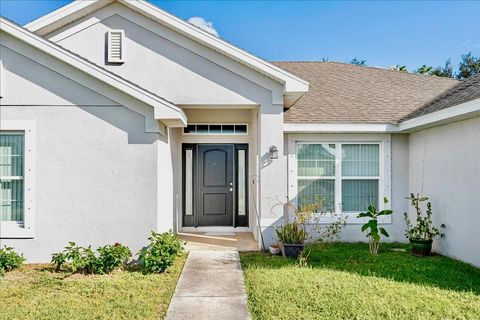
pixel 384 33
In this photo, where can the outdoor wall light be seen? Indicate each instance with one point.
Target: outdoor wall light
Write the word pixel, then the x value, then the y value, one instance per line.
pixel 273 152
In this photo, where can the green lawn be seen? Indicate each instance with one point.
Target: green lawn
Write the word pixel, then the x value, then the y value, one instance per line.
pixel 35 292
pixel 344 282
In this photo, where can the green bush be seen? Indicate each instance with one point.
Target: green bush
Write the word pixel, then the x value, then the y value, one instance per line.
pixel 291 233
pixel 160 252
pixel 85 260
pixel 9 260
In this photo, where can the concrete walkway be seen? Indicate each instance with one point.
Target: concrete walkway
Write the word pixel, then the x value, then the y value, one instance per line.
pixel 241 241
pixel 210 287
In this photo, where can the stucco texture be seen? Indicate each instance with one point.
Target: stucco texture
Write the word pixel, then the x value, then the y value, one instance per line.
pixel 444 166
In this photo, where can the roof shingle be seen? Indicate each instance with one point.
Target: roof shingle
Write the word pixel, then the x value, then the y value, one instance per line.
pixel 464 91
pixel 345 93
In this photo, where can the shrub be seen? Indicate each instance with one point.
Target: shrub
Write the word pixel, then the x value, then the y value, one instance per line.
pixel 291 233
pixel 160 252
pixel 113 257
pixel 85 260
pixel 424 228
pixel 9 260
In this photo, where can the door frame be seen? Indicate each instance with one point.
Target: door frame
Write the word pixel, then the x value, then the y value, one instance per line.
pixel 191 221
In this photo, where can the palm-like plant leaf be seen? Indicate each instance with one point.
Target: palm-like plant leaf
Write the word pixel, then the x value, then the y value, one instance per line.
pixel 384 232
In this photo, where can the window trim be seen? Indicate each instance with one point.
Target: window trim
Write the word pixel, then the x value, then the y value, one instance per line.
pixel 384 142
pixel 26 229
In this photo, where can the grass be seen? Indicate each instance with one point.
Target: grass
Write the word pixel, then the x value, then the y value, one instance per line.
pixel 36 292
pixel 343 281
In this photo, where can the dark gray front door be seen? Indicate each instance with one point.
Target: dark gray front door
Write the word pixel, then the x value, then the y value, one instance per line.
pixel 215 185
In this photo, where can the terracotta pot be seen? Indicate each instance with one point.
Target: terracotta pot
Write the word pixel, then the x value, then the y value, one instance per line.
pixel 274 250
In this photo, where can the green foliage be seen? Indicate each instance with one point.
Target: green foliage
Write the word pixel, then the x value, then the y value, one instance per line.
pixel 424 69
pixel 372 226
pixel 401 68
pixel 291 233
pixel 85 260
pixel 469 66
pixel 161 252
pixel 113 257
pixel 424 229
pixel 9 260
pixel 445 71
pixel 358 62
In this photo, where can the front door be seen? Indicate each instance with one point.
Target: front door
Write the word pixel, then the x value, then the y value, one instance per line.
pixel 215 165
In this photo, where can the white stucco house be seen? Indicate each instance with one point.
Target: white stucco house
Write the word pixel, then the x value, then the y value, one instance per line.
pixel 118 118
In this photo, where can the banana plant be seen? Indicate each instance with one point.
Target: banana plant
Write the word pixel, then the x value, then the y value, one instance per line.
pixel 372 228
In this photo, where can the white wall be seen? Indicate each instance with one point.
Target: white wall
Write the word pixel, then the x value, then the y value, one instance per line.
pixel 444 165
pixel 97 171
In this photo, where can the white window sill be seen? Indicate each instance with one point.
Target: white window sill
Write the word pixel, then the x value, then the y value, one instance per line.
pixel 15 230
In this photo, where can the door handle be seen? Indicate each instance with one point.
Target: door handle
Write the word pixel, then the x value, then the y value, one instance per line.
pixel 231 189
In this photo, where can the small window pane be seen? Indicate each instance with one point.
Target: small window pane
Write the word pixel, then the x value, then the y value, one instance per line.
pixel 240 128
pixel 188 182
pixel 360 160
pixel 11 155
pixel 227 128
pixel 215 128
pixel 320 192
pixel 11 200
pixel 316 160
pixel 11 173
pixel 189 129
pixel 357 195
pixel 201 128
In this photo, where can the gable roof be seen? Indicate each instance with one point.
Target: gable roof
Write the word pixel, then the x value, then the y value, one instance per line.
pixel 346 93
pixel 465 91
pixel 165 111
pixel 294 86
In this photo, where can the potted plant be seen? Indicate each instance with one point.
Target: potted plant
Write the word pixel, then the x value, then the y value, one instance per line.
pixel 275 248
pixel 374 232
pixel 292 237
pixel 421 234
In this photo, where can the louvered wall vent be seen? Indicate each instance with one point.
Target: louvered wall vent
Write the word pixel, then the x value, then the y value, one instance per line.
pixel 116 46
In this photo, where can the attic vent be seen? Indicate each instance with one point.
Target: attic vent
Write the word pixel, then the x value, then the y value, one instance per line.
pixel 116 46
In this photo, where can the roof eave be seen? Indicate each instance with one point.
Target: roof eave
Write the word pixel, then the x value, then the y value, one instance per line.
pixel 459 112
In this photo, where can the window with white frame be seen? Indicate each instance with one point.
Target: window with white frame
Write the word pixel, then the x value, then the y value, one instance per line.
pixel 215 129
pixel 11 176
pixel 341 177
